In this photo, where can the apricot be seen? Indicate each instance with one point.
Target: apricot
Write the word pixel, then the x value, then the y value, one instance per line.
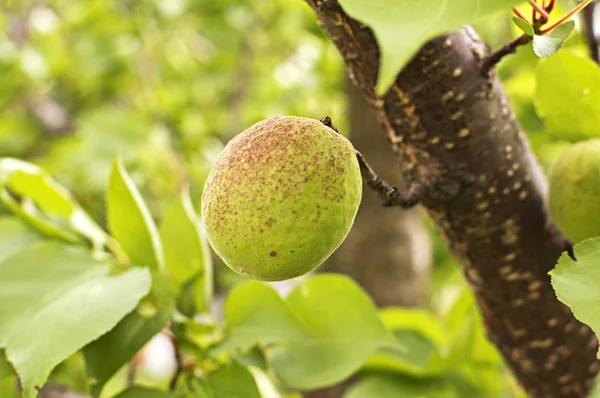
pixel 281 197
pixel 574 191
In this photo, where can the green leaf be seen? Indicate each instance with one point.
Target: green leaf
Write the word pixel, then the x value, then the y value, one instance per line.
pixel 524 26
pixel 129 219
pixel 233 380
pixel 6 369
pixel 14 236
pixel 569 79
pixel 143 392
pixel 105 356
pixel 265 386
pixel 421 334
pixel 549 44
pixel 8 387
pixel 577 284
pixel 313 342
pixel 403 26
pixel 45 203
pixel 56 299
pixel 394 386
pixel 187 256
pixel 254 312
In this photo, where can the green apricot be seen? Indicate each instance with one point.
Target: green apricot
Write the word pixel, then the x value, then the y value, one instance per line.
pixel 281 197
pixel 574 191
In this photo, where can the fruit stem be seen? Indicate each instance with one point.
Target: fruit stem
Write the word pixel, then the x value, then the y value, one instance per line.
pixel 390 195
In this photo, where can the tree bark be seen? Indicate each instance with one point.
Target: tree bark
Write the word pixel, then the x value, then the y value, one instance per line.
pixel 453 130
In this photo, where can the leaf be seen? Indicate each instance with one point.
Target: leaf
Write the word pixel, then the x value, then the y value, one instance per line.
pixel 58 215
pixel 6 369
pixel 187 256
pixel 569 79
pixel 524 26
pixel 129 219
pixel 549 44
pixel 143 392
pixel 233 380
pixel 576 283
pixel 313 342
pixel 403 26
pixel 394 386
pixel 105 356
pixel 8 387
pixel 56 299
pixel 14 236
pixel 421 334
pixel 265 386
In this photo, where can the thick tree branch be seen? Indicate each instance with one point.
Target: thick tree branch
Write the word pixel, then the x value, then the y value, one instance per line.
pixel 455 133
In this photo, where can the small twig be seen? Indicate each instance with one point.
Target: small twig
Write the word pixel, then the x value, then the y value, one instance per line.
pixel 565 17
pixel 550 6
pixel 538 10
pixel 509 48
pixel 518 14
pixel 391 196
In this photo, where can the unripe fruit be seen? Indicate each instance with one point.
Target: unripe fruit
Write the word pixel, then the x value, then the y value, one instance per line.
pixel 281 197
pixel 574 194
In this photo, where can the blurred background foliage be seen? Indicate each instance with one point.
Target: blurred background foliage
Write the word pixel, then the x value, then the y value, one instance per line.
pixel 167 83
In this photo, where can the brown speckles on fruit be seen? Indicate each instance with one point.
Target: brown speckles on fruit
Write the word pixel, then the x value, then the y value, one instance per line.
pixel 283 180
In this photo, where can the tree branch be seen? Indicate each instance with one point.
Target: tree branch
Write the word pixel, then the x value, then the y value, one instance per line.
pixel 493 58
pixel 389 194
pixel 455 133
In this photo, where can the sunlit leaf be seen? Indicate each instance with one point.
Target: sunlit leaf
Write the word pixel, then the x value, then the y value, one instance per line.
pixel 577 284
pixel 130 221
pixel 566 78
pixel 14 236
pixel 233 381
pixel 54 300
pixel 421 335
pixel 187 256
pixel 45 204
pixel 311 342
pixel 144 392
pixel 394 386
pixel 403 26
pixel 264 384
pixel 549 44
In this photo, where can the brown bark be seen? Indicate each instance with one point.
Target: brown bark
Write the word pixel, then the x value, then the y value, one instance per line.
pixel 453 130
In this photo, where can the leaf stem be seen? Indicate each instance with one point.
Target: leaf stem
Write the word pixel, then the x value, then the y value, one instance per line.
pixel 565 17
pixel 518 14
pixel 538 10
